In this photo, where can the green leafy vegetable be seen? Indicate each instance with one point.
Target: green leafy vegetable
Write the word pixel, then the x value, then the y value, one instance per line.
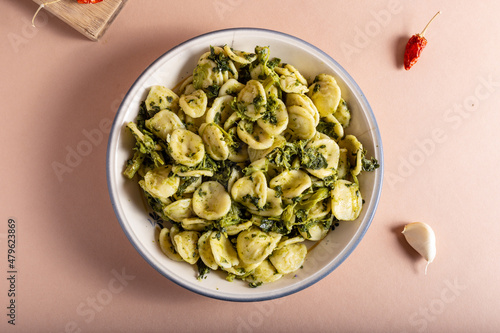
pixel 221 61
pixel 308 157
pixel 327 128
pixel 186 182
pixel 311 158
pixel 134 164
pixel 203 270
pixel 146 145
pixel 369 164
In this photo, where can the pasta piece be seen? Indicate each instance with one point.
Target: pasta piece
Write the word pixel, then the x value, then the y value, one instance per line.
pixel 342 113
pixel 231 87
pixel 180 171
pixel 231 73
pixel 272 91
pixel 193 124
pixel 223 251
pixel 159 183
pixel 233 177
pixel 235 229
pixel 238 151
pixel 330 151
pixel 325 94
pixel 179 210
pixel 295 71
pixel 264 273
pixel 314 232
pixel 254 245
pixel 186 147
pixel 272 206
pixel 291 81
pixel 288 241
pixel 231 121
pixel 289 258
pixel 195 223
pixel 166 245
pixel 220 110
pixel 326 78
pixel 301 123
pixel 305 102
pixel 205 251
pixel 189 89
pixel 354 153
pixel 257 154
pixel 338 130
pixel 251 191
pixel 174 230
pixel 186 244
pixel 240 57
pixel 206 74
pixel 291 183
pixel 274 122
pixel 194 104
pixel 163 123
pixel 253 135
pixel 187 81
pixel 346 200
pixel 343 167
pixel 211 201
pixel 241 269
pixel 252 100
pixel 258 165
pixel 215 144
pixel 161 98
pixel 320 210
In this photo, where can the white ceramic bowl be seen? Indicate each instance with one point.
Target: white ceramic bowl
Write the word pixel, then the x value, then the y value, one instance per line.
pixel 133 214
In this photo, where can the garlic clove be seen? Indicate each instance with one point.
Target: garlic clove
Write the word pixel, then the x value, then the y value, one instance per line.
pixel 422 238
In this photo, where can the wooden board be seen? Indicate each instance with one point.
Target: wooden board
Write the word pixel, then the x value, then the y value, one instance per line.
pixel 91 20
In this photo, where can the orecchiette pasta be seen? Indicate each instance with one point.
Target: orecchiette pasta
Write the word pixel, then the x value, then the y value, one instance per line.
pixel 251 191
pixel 291 183
pixel 252 100
pixel 325 94
pixel 166 245
pixel 254 245
pixel 301 123
pixel 159 182
pixel 253 135
pixel 211 201
pixel 161 98
pixel 346 200
pixel 186 244
pixel 205 250
pixel 186 147
pixel 223 251
pixel 247 163
pixel 179 210
pixel 329 149
pixel 163 123
pixel 289 258
pixel 215 143
pixel 194 104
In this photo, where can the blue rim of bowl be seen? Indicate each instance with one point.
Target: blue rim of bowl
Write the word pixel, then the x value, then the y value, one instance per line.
pixel 351 245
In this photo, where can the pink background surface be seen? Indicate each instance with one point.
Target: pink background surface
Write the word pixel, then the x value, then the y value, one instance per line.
pixel 439 125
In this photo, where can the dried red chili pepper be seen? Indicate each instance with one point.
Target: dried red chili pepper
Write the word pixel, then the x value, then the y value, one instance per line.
pixel 56 1
pixel 415 45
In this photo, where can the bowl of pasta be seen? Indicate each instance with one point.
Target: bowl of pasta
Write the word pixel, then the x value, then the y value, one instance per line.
pixel 245 164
